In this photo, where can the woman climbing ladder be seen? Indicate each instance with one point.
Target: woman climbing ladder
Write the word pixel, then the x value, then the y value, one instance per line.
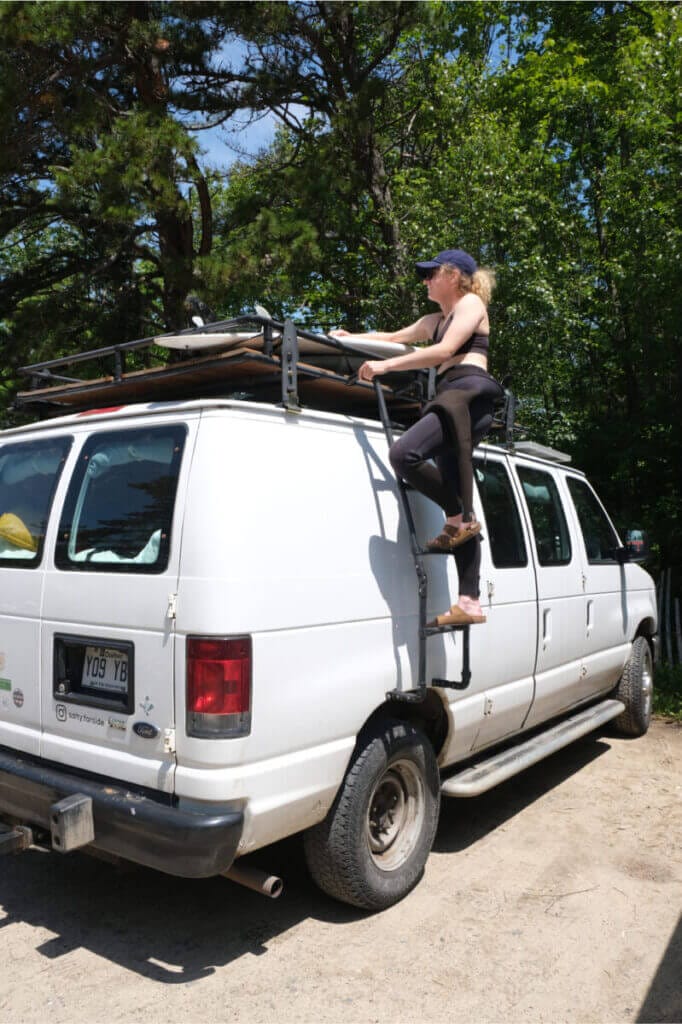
pixel 457 418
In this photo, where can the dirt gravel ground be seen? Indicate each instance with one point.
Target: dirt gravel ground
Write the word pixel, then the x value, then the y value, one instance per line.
pixel 555 898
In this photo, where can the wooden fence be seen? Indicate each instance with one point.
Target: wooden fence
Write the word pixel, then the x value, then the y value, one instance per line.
pixel 669 620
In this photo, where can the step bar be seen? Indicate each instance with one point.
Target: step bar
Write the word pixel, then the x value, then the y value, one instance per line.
pixel 486 774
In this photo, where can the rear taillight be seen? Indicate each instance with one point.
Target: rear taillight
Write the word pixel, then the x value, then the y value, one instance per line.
pixel 218 686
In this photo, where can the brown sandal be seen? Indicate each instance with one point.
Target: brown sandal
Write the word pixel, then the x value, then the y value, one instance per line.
pixel 457 617
pixel 452 536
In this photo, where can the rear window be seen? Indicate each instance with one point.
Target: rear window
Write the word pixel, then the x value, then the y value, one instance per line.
pixel 29 473
pixel 119 509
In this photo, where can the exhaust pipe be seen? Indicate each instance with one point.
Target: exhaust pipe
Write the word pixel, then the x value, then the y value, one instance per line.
pixel 259 881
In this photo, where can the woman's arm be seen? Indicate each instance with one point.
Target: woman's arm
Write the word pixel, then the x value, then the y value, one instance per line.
pixel 421 330
pixel 468 315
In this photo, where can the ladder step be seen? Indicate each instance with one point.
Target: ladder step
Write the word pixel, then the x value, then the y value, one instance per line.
pixel 483 776
pixel 435 630
pixel 452 684
pixel 425 551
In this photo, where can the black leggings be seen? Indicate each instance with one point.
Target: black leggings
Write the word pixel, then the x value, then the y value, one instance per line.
pixel 450 482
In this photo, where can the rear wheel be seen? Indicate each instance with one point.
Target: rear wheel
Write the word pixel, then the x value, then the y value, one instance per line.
pixel 371 849
pixel 636 688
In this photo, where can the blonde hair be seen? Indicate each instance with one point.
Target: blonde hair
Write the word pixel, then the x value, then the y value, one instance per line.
pixel 481 283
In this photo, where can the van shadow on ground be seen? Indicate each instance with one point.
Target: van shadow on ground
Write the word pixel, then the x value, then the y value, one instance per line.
pixel 175 930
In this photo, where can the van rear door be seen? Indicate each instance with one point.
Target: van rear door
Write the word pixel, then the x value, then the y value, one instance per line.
pixel 107 647
pixel 29 474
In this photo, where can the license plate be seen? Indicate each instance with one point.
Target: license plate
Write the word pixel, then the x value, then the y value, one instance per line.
pixel 105 668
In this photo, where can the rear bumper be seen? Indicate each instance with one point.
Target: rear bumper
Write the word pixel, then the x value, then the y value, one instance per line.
pixel 127 824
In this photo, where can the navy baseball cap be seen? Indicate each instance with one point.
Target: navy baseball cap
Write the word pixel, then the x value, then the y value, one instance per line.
pixel 452 257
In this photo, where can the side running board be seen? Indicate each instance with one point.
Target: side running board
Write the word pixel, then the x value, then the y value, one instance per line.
pixel 489 773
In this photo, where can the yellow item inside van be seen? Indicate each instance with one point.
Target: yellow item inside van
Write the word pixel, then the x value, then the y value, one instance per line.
pixel 14 530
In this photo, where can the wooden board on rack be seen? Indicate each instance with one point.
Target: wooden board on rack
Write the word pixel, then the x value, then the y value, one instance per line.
pixel 215 375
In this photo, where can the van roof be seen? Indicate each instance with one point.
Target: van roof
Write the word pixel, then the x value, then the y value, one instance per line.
pixel 112 414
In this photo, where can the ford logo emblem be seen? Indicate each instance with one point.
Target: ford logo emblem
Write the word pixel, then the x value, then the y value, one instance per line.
pixel 146 730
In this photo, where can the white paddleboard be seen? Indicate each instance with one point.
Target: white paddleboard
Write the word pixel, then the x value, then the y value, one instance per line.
pixel 217 339
pixel 381 349
pixel 247 339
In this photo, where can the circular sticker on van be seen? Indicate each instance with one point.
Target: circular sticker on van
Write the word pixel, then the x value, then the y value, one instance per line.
pixel 18 698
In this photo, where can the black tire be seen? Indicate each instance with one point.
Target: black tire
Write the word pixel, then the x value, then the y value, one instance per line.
pixel 371 849
pixel 635 688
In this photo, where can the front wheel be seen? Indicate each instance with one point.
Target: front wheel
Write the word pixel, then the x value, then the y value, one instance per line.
pixel 636 688
pixel 371 849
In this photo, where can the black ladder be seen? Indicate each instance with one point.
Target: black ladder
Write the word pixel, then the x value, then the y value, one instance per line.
pixel 425 631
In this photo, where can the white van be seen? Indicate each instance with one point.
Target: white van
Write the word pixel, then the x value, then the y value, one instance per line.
pixel 209 616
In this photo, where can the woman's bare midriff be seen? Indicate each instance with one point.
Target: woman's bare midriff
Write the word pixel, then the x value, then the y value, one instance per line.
pixel 470 359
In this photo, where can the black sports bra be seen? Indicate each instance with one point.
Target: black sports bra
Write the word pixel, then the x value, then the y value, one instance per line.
pixel 478 343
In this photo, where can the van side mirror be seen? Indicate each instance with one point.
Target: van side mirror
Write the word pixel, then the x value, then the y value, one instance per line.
pixel 637 544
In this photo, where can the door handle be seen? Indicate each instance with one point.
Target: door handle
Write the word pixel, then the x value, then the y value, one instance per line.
pixel 546 626
pixel 590 617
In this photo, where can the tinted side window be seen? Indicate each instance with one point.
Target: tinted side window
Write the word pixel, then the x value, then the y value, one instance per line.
pixel 600 537
pixel 119 509
pixel 505 535
pixel 29 473
pixel 552 539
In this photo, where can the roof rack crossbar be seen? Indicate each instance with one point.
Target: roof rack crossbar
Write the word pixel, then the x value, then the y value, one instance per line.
pixel 45 375
pixel 278 350
pixel 266 326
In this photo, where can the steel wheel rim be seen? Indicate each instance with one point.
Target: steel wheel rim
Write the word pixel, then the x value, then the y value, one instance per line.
pixel 647 682
pixel 395 815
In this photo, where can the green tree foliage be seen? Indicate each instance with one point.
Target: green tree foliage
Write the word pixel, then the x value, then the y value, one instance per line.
pixel 599 92
pixel 346 81
pixel 104 210
pixel 543 137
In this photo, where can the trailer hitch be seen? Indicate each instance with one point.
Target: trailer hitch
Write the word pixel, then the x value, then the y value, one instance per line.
pixel 15 838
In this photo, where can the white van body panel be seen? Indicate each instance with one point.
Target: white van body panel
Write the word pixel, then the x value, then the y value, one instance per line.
pixel 21 605
pixel 20 716
pixel 510 597
pixel 560 622
pixel 287 529
pixel 128 607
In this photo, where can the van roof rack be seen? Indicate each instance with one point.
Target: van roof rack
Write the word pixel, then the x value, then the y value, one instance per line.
pixel 249 357
pixel 541 451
